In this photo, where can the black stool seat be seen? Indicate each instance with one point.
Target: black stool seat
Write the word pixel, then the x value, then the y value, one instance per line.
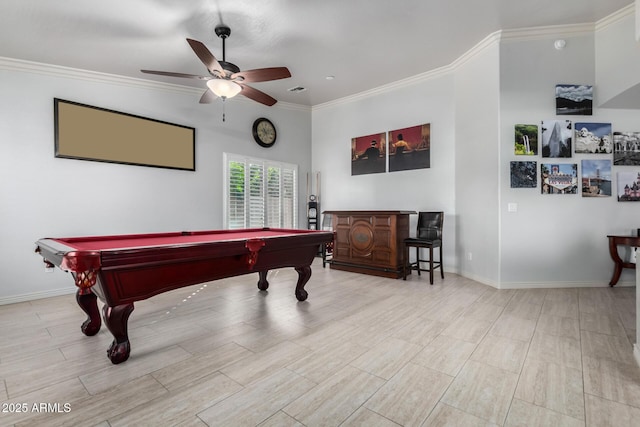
pixel 428 236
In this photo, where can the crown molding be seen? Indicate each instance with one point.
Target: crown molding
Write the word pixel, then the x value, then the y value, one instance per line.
pixel 523 34
pixel 517 35
pixel 547 32
pixel 615 17
pixel 409 81
pixel 19 65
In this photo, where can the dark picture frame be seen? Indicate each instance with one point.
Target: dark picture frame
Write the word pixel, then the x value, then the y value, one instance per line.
pixel 626 148
pixel 574 100
pixel 524 174
pixel 85 132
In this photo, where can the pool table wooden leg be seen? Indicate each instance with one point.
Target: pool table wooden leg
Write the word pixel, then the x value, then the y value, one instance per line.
pixel 116 318
pixel 304 273
pixel 263 284
pixel 87 301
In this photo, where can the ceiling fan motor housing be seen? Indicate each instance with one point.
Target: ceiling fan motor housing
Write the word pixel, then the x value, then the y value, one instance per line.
pixel 223 31
pixel 229 68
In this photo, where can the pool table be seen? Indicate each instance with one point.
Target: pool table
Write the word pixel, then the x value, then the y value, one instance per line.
pixel 123 269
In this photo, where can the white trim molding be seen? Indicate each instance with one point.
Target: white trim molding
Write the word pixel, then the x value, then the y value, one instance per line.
pixel 13 299
pixel 11 64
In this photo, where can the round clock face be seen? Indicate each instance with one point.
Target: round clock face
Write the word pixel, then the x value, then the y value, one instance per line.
pixel 264 132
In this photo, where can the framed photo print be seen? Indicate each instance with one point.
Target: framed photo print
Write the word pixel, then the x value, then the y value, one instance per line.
pixel 524 174
pixel 629 186
pixel 574 100
pixel 626 148
pixel 556 138
pixel 596 178
pixel 559 178
pixel 593 138
pixel 526 140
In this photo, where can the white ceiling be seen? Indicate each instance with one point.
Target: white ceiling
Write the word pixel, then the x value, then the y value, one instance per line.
pixel 363 43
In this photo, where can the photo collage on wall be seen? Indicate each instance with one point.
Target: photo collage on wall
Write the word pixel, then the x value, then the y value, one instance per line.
pixel 560 139
pixel 402 149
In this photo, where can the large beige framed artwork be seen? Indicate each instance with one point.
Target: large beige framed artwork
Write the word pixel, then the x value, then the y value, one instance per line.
pixel 85 132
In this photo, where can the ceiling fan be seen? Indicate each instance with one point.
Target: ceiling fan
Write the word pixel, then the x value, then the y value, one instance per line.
pixel 225 79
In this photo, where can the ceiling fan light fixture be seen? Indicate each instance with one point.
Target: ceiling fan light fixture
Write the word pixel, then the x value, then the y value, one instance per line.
pixel 224 88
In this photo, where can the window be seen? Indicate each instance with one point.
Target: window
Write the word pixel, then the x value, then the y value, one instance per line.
pixel 259 193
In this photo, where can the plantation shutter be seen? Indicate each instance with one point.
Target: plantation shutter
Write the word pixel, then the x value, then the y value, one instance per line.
pixel 259 193
pixel 235 199
pixel 256 196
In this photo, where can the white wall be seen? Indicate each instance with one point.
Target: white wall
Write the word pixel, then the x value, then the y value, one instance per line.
pixel 477 165
pixel 335 124
pixel 552 240
pixel 618 60
pixel 43 196
pixel 555 240
pixel 472 107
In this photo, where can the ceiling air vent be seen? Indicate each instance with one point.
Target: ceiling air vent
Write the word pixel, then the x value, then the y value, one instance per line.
pixel 297 89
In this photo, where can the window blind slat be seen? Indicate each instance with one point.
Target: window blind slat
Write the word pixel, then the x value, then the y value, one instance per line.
pixel 260 193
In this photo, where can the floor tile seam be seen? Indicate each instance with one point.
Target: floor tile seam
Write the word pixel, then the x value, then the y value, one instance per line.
pixel 583 390
pixel 461 409
pixel 526 357
pixel 562 414
pixel 584 371
pixel 628 351
pixel 444 393
pixel 245 387
pixel 209 374
pixel 382 384
pixel 363 406
pixel 611 400
pixel 439 400
pixel 390 379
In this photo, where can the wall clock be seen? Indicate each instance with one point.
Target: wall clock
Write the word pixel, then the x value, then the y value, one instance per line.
pixel 264 132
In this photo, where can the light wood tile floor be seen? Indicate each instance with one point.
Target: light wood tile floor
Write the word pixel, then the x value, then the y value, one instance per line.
pixel 361 351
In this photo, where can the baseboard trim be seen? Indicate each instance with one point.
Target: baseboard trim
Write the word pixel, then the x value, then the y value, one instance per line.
pixel 14 299
pixel 556 285
pixel 541 285
pixel 476 278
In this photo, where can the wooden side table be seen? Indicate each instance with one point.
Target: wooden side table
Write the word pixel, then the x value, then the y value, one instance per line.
pixel 614 242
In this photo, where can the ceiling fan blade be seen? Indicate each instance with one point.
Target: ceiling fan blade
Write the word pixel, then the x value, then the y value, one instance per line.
pixel 257 95
pixel 263 74
pixel 205 56
pixel 171 74
pixel 208 97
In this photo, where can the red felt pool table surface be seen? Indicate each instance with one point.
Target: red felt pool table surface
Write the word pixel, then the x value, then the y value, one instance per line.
pixel 131 241
pixel 123 269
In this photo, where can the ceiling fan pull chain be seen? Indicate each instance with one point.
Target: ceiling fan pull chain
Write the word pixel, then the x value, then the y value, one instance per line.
pixel 223 99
